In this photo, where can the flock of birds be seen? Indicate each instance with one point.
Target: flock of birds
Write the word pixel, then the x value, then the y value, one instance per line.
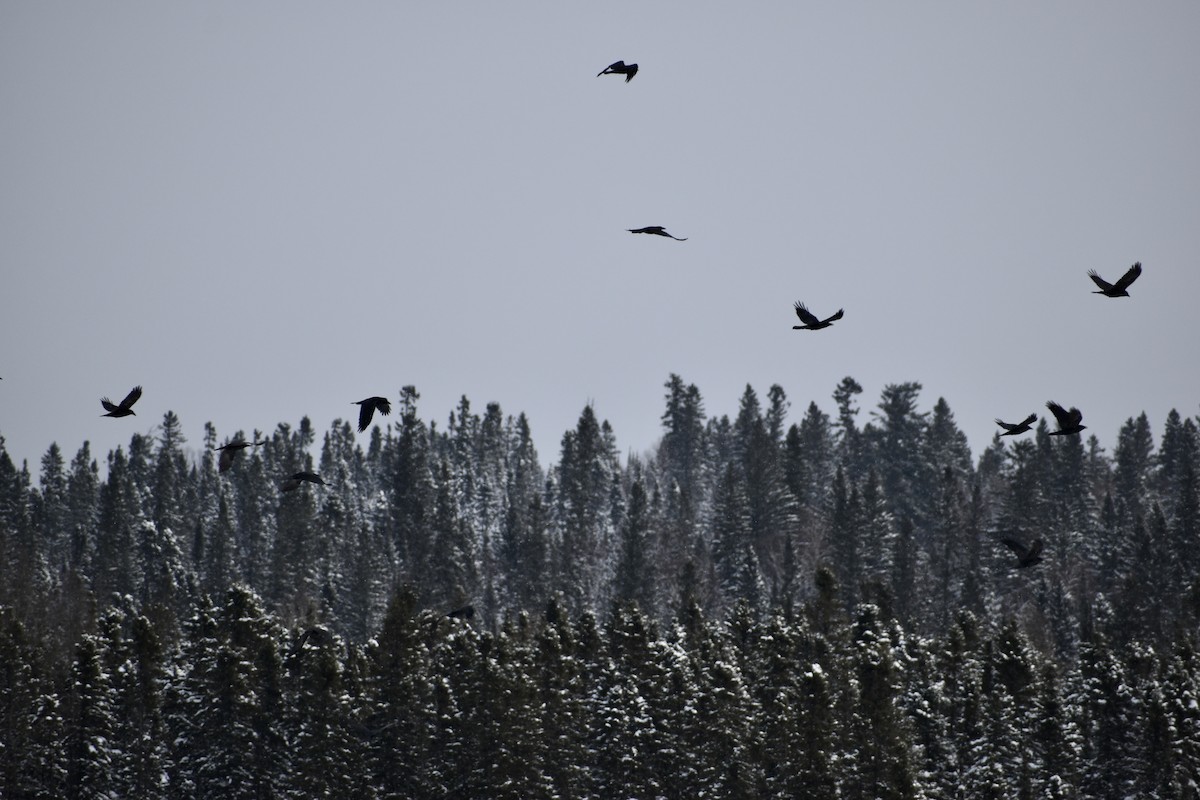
pixel 230 450
pixel 1069 422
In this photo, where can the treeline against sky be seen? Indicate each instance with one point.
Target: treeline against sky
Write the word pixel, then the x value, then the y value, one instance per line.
pixel 848 563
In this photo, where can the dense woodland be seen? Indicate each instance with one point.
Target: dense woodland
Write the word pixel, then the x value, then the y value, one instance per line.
pixel 755 609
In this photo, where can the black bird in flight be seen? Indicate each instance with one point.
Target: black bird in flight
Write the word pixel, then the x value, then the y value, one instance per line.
pixel 811 323
pixel 1026 556
pixel 300 477
pixel 466 612
pixel 1021 427
pixel 228 451
pixel 317 636
pixel 619 68
pixel 367 409
pixel 1068 421
pixel 1118 289
pixel 657 230
pixel 126 406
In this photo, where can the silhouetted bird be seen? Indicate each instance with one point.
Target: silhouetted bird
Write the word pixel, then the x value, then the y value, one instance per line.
pixel 811 323
pixel 316 636
pixel 1068 421
pixel 1021 427
pixel 1026 556
pixel 619 68
pixel 657 230
pixel 367 409
pixel 1117 289
pixel 126 407
pixel 466 612
pixel 228 451
pixel 298 478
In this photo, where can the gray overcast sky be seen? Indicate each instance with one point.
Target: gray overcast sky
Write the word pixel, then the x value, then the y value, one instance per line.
pixel 265 210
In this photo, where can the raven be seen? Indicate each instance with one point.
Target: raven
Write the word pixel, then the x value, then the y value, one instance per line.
pixel 1021 427
pixel 367 409
pixel 1026 556
pixel 126 406
pixel 228 451
pixel 1068 421
pixel 619 68
pixel 466 612
pixel 298 478
pixel 811 323
pixel 1118 289
pixel 316 636
pixel 657 230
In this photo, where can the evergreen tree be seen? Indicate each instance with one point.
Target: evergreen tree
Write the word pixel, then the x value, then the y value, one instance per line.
pixel 586 477
pixel 849 437
pixel 633 576
pixel 907 478
pixel 412 496
pixel 734 559
pixel 681 453
pixel 32 762
pixel 90 727
pixel 879 743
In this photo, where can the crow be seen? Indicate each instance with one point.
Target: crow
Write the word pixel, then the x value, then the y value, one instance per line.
pixel 228 451
pixel 318 636
pixel 1068 421
pixel 1026 556
pixel 298 478
pixel 1118 289
pixel 126 406
pixel 619 68
pixel 1021 427
pixel 657 230
pixel 811 323
pixel 367 409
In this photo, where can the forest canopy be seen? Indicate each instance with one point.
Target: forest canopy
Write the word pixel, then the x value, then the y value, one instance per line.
pixel 755 608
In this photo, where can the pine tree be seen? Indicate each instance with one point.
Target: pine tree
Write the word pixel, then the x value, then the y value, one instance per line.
pixel 734 558
pixel 412 495
pixel 849 437
pixel 877 734
pixel 907 478
pixel 844 530
pixel 681 454
pixel 328 759
pixel 587 471
pixel 32 762
pixel 633 576
pixel 90 727
pixel 402 705
pixel 22 571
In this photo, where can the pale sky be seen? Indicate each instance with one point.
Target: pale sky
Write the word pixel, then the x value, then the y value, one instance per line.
pixel 265 210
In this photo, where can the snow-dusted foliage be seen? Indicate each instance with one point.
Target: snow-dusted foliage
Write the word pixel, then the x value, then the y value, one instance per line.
pixel 754 610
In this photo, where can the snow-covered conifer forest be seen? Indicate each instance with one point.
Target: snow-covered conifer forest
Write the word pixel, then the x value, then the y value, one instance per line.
pixel 824 609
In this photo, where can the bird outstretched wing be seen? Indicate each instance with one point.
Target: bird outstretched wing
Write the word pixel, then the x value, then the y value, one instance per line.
pixel 836 316
pixel 365 410
pixel 806 316
pixel 1104 285
pixel 131 398
pixel 1018 547
pixel 1064 417
pixel 1129 277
